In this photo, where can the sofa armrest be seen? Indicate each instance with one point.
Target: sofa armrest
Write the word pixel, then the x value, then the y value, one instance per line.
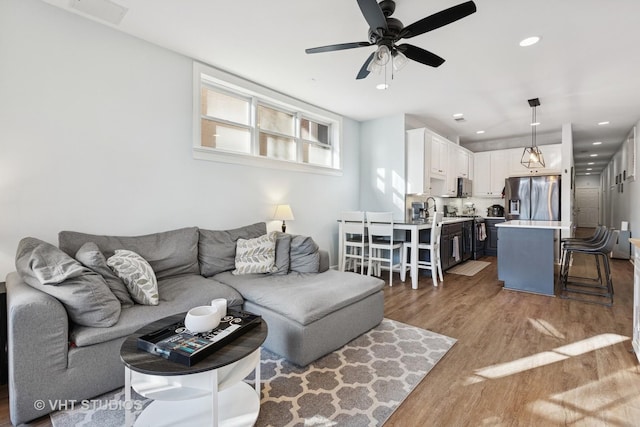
pixel 325 263
pixel 37 337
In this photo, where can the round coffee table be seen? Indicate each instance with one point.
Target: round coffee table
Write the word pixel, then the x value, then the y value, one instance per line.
pixel 209 393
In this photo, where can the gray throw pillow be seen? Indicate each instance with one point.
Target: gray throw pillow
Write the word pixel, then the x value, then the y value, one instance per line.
pixel 217 249
pixel 283 247
pixel 90 256
pixel 304 255
pixel 84 293
pixel 137 274
pixel 254 256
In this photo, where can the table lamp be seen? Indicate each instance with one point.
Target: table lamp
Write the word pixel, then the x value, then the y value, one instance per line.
pixel 283 212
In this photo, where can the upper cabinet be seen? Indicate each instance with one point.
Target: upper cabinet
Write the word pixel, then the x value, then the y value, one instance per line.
pixel 552 155
pixel 433 164
pixel 439 157
pixel 490 170
pixel 418 162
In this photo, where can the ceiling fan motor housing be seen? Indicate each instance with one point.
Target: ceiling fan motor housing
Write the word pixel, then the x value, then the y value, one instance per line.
pixel 390 35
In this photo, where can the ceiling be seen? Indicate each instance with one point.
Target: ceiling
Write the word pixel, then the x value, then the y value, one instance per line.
pixel 584 70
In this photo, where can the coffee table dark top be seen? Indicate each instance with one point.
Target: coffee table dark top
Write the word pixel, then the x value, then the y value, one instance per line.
pixel 147 363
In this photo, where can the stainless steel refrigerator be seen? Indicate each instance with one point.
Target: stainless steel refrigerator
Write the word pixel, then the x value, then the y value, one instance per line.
pixel 533 198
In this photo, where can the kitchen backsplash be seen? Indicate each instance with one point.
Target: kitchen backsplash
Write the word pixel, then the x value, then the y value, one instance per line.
pixel 481 204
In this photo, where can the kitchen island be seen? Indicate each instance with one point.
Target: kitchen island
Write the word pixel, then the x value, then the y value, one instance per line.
pixel 526 254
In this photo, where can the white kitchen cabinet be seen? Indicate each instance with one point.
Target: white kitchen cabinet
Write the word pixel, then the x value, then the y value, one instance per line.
pixel 418 162
pixel 439 157
pixel 458 166
pixel 490 170
pixel 552 155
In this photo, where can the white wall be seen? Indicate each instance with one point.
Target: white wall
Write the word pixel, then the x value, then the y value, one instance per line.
pixel 95 136
pixel 588 181
pixel 382 165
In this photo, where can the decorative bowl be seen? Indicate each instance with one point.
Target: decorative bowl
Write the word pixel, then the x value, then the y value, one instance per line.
pixel 202 319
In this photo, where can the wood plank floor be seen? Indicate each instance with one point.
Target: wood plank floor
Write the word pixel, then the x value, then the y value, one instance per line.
pixel 520 359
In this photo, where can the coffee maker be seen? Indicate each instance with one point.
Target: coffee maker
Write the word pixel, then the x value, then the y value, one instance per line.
pixel 418 211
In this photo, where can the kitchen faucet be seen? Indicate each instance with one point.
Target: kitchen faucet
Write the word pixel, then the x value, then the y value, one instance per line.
pixel 427 204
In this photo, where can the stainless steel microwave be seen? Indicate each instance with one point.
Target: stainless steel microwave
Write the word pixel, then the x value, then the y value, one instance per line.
pixel 464 187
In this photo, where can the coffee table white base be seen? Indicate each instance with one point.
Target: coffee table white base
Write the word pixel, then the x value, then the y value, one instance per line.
pixel 216 398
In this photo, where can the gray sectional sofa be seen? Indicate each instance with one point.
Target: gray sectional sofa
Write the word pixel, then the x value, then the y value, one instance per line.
pixel 310 309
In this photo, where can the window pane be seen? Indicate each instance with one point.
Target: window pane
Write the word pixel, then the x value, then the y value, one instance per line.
pixel 277 147
pixel 312 131
pixel 225 137
pixel 316 154
pixel 225 107
pixel 276 121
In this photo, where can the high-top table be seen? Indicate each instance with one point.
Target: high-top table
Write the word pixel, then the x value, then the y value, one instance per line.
pixel 211 392
pixel 526 255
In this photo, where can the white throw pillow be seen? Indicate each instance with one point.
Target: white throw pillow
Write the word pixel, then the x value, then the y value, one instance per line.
pixel 256 255
pixel 137 274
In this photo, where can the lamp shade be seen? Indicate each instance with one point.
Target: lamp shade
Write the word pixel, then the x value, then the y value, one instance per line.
pixel 283 212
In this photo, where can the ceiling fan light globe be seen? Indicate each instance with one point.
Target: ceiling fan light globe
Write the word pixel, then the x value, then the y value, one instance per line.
pixel 399 61
pixel 383 54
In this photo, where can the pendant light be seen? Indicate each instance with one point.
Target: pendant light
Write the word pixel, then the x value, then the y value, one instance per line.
pixel 532 156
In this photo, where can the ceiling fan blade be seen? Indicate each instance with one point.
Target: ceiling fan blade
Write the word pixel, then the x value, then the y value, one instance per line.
pixel 374 16
pixel 420 55
pixel 438 20
pixel 363 71
pixel 333 47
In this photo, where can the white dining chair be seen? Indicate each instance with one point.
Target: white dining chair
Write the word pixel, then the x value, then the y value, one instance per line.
pixel 382 247
pixel 354 243
pixel 433 246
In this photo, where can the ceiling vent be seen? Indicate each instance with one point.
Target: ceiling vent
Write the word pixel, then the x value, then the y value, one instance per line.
pixel 459 119
pixel 104 10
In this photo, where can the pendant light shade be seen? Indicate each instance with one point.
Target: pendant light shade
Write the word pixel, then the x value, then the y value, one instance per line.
pixel 532 157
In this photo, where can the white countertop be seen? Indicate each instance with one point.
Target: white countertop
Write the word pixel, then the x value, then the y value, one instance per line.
pixel 553 225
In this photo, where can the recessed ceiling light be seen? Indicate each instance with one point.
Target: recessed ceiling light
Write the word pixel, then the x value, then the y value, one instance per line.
pixel 457 115
pixel 603 123
pixel 591 163
pixel 593 155
pixel 382 86
pixel 597 143
pixel 588 173
pixel 529 41
pixel 589 169
pixel 479 132
pixel 535 124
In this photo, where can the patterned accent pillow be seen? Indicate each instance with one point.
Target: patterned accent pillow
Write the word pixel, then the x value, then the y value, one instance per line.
pixel 137 274
pixel 256 255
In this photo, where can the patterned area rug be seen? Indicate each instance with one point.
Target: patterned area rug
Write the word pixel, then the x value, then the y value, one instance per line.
pixel 469 268
pixel 360 384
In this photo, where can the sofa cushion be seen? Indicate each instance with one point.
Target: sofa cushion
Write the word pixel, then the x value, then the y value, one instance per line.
pixel 90 256
pixel 256 255
pixel 170 253
pixel 137 274
pixel 84 293
pixel 303 297
pixel 178 295
pixel 217 249
pixel 304 255
pixel 283 247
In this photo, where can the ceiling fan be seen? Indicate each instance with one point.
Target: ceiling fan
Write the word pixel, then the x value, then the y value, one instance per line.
pixel 385 32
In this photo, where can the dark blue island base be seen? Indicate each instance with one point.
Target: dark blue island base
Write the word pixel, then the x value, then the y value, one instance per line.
pixel 526 259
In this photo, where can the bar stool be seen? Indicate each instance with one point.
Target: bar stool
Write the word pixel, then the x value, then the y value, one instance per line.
pixel 433 247
pixel 598 238
pixel 381 243
pixel 354 245
pixel 599 249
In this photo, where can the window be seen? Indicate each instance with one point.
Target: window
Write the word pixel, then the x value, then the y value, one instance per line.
pixel 240 122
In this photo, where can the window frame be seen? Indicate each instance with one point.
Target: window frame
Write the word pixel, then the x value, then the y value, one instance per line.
pixel 228 84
